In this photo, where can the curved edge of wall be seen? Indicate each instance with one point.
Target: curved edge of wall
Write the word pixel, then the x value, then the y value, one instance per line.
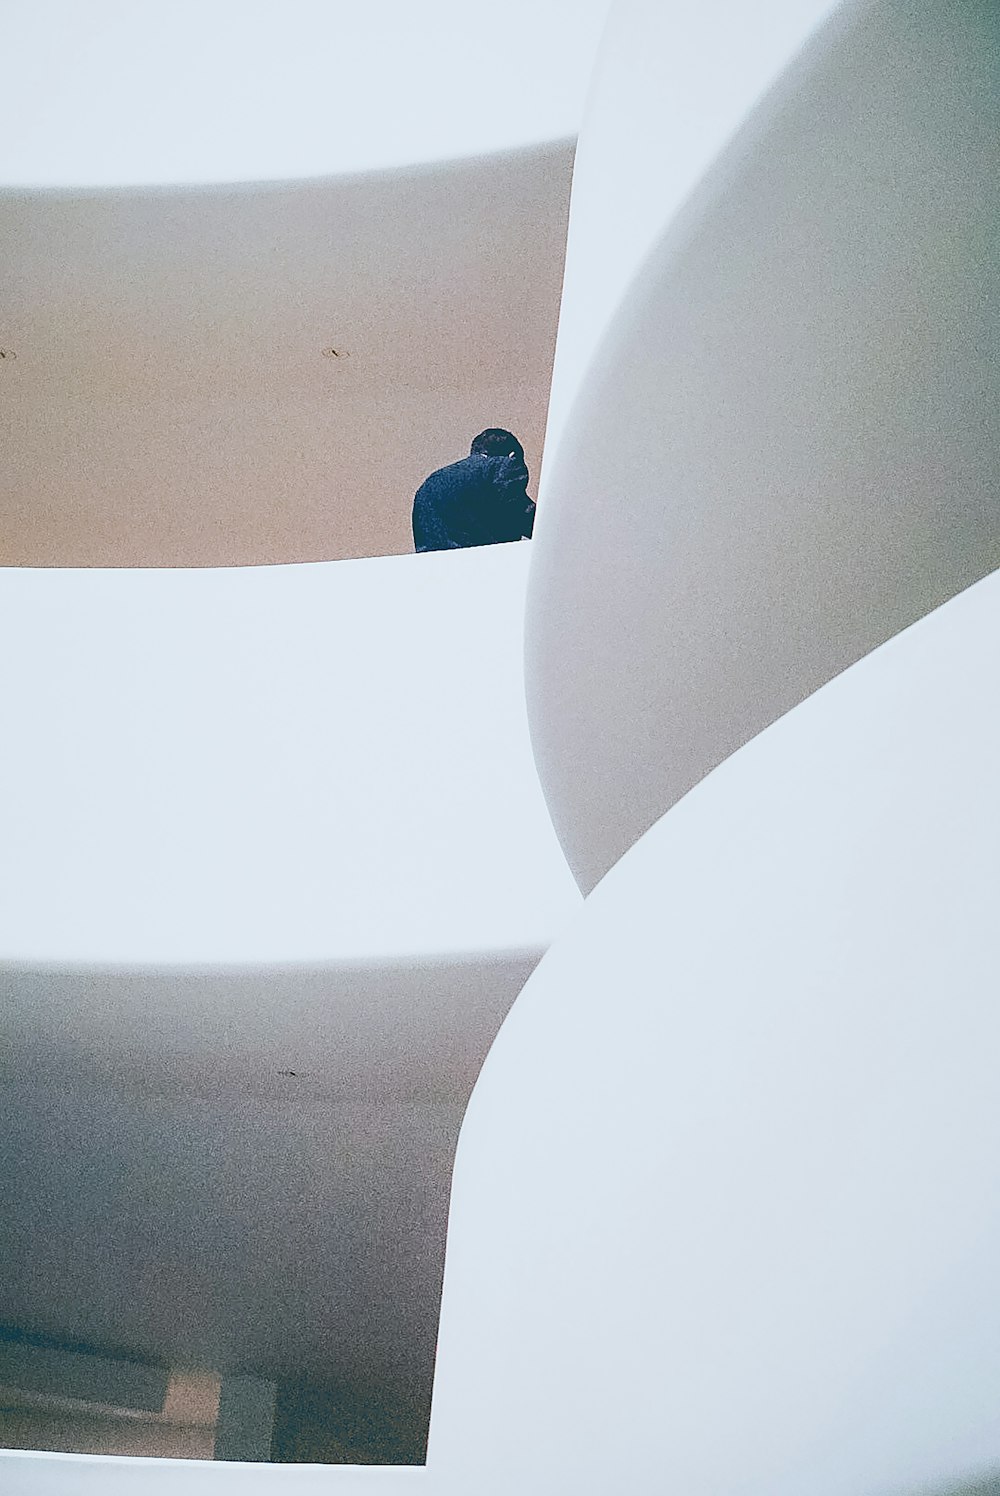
pixel 283 96
pixel 783 453
pixel 670 88
pixel 731 1154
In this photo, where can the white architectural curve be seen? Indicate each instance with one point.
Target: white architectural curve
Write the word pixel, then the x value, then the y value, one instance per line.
pixel 272 765
pixel 222 91
pixel 669 90
pixel 784 449
pixel 725 1211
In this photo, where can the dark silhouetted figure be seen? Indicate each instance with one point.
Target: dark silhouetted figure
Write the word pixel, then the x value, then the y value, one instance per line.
pixel 482 500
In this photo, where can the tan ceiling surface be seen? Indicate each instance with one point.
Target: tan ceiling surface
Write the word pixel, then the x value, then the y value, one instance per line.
pixel 171 403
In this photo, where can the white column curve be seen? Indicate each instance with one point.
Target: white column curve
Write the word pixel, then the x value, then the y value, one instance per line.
pixel 725 1209
pixel 783 449
pixel 671 86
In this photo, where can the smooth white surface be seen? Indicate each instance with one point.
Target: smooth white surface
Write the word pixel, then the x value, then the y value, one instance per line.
pixel 731 1160
pixel 786 450
pixel 725 1212
pixel 223 90
pixel 724 1217
pixel 671 85
pixel 82 1475
pixel 278 764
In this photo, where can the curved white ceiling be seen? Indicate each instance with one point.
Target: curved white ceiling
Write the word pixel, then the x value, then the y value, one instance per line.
pixel 113 93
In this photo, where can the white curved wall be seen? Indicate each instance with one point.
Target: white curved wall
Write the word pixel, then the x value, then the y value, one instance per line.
pixel 784 451
pixel 224 91
pixel 731 1158
pixel 275 764
pixel 730 1161
pixel 671 85
pixel 725 1210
